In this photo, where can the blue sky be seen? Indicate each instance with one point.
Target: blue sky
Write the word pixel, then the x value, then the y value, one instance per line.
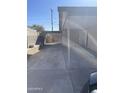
pixel 38 11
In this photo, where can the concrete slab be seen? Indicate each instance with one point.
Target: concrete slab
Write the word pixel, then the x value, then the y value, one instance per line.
pixel 51 81
pixel 50 71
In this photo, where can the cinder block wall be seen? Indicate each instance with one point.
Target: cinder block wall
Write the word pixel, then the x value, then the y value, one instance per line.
pixel 55 36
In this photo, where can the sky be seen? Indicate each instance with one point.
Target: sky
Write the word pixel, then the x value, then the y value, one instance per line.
pixel 38 11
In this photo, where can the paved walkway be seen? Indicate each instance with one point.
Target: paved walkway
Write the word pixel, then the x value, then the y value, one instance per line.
pixel 50 72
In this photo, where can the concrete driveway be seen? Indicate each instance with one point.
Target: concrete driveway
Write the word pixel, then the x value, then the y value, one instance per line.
pixel 50 72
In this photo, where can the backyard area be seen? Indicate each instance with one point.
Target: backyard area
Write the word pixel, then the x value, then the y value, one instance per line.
pixel 66 57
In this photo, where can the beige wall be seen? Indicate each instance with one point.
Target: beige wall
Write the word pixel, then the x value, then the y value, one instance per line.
pixel 53 37
pixel 32 36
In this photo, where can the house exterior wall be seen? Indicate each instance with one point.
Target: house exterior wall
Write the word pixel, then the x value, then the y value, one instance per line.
pixel 82 26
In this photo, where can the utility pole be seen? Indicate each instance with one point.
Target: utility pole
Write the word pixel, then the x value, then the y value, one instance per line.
pixel 51 20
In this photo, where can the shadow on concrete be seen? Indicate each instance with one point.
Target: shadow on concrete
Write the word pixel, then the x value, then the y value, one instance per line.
pixel 40 40
pixel 28 56
pixel 85 88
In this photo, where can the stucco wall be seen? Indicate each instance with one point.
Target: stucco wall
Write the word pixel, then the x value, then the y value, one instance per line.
pixel 82 28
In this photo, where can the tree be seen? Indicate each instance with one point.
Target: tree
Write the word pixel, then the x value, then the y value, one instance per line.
pixel 39 28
